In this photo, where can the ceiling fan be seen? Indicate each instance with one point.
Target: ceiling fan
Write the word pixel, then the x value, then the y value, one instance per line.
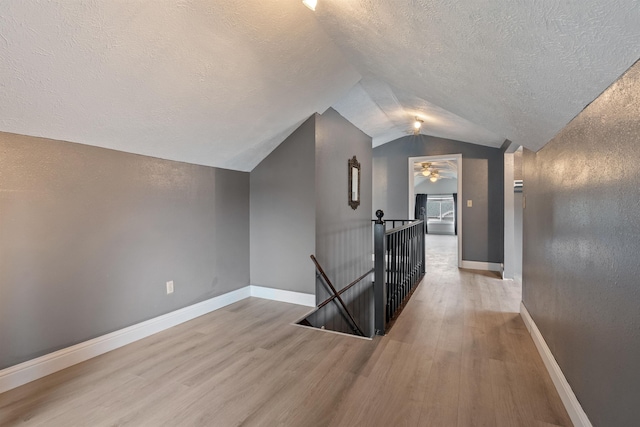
pixel 426 169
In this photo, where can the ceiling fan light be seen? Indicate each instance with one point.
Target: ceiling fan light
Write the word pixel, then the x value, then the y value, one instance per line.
pixel 433 179
pixel 311 4
pixel 425 173
pixel 417 124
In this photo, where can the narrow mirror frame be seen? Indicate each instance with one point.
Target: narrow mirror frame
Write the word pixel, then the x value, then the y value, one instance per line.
pixel 354 184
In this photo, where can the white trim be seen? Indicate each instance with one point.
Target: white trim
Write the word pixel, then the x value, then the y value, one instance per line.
pixel 478 265
pixel 31 370
pixel 297 323
pixel 292 297
pixel 574 409
pixel 412 196
pixel 331 332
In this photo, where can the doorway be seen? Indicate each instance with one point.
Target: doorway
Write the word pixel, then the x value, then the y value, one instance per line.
pixel 428 171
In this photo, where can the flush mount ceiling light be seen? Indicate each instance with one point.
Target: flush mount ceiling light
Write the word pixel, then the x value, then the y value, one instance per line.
pixel 311 4
pixel 417 124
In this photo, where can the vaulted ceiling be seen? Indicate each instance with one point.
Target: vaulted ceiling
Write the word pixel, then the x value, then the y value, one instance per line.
pixel 223 82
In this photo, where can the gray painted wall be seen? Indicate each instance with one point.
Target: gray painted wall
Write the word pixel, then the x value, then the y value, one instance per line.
pixel 517 212
pixel 512 217
pixel 509 221
pixel 581 246
pixel 299 207
pixel 442 186
pixel 343 235
pixel 89 236
pixel 517 237
pixel 283 214
pixel 482 181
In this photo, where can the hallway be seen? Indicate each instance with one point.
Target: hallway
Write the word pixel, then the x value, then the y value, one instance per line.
pixel 459 355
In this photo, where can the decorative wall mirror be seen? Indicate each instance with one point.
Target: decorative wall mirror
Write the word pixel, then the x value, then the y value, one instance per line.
pixel 354 183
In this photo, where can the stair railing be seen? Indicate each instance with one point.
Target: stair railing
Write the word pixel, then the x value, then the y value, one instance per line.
pixel 399 266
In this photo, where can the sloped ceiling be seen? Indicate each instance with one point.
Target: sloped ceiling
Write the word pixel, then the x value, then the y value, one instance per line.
pixel 222 82
pixel 218 83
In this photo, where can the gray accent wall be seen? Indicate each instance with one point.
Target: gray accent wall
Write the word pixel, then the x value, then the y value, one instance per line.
pixel 517 217
pixel 89 237
pixel 508 271
pixel 482 182
pixel 299 207
pixel 581 245
pixel 283 214
pixel 517 237
pixel 344 244
pixel 343 235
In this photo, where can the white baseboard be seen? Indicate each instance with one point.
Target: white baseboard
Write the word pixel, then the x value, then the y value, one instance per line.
pixel 299 298
pixel 478 265
pixel 569 399
pixel 34 369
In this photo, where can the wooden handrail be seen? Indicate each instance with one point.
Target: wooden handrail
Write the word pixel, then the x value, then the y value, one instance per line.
pixel 403 227
pixel 346 288
pixel 337 296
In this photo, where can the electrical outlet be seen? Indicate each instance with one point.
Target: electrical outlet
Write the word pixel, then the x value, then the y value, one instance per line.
pixel 169 287
pixel 469 203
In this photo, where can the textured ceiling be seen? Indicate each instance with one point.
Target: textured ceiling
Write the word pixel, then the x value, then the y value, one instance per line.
pixel 520 69
pixel 386 113
pixel 218 83
pixel 222 82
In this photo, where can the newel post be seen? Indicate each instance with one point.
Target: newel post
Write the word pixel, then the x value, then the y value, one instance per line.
pixel 379 287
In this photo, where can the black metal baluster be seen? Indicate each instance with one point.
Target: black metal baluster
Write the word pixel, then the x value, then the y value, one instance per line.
pixel 403 266
pixel 389 278
pixel 394 269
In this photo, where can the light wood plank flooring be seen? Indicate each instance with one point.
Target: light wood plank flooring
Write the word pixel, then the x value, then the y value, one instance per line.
pixel 459 355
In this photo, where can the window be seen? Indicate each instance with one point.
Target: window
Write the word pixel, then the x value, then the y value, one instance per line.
pixel 440 208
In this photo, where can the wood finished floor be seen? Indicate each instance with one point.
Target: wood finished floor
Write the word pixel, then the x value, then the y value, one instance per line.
pixel 459 355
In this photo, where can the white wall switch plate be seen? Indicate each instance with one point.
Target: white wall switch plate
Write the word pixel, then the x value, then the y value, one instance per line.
pixel 469 203
pixel 169 287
